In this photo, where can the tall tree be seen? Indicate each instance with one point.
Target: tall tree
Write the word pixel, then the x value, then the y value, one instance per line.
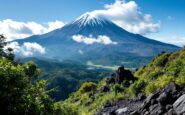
pixel 2 45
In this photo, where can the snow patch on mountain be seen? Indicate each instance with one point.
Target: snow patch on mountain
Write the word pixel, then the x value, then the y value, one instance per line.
pixel 90 19
pixel 101 39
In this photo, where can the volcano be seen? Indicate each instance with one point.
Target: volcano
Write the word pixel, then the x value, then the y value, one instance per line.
pixel 97 40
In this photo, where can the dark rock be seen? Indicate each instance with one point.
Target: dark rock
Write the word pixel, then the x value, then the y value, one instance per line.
pixel 121 111
pixel 105 89
pixel 153 107
pixel 121 76
pixel 179 105
pixel 107 104
pixel 147 102
pixel 151 96
pixel 124 75
pixel 141 96
pixel 167 101
pixel 134 113
pixel 111 80
pixel 171 88
pixel 162 99
pixel 156 109
pixel 146 113
pixel 170 112
pixel 168 107
pixel 153 101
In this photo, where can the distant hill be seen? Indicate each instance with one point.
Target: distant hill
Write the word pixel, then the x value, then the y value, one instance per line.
pixel 99 41
pixel 65 77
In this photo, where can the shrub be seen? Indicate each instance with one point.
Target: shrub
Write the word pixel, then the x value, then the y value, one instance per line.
pixel 160 82
pixel 175 68
pixel 137 87
pixel 161 60
pixel 87 87
pixel 155 74
pixel 65 109
pixel 180 81
pixel 118 88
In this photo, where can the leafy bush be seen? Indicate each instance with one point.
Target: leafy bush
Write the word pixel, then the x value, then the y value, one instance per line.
pixel 161 60
pixel 180 81
pixel 60 108
pixel 87 87
pixel 160 82
pixel 137 87
pixel 118 88
pixel 175 68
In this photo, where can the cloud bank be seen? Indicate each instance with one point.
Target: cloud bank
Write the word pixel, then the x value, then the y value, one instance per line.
pixel 179 41
pixel 27 49
pixel 102 39
pixel 128 16
pixel 15 30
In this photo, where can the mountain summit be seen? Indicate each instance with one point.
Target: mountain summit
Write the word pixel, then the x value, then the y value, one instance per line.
pixel 90 19
pixel 97 40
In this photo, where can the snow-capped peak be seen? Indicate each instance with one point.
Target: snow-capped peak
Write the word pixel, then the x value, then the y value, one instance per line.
pixel 90 19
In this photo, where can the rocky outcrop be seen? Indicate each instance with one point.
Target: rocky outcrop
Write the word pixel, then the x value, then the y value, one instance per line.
pixel 167 101
pixel 121 75
pixel 179 105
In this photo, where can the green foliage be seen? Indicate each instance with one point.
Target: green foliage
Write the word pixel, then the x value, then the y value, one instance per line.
pixel 2 45
pixel 180 81
pixel 20 95
pixel 160 82
pixel 15 87
pixel 136 87
pixel 89 102
pixel 63 109
pixel 87 87
pixel 118 88
pixel 164 69
pixel 31 70
pixel 161 60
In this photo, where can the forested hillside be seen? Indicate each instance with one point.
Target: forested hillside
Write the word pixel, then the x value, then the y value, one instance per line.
pixel 65 77
pixel 20 93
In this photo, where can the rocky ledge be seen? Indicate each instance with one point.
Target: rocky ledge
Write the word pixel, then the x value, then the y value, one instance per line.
pixel 167 101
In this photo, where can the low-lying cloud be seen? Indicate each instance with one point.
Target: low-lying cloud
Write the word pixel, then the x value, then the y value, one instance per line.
pixel 101 39
pixel 27 48
pixel 13 30
pixel 179 41
pixel 128 16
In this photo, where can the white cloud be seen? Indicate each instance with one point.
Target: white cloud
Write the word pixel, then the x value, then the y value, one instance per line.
pixel 179 41
pixel 128 16
pixel 17 30
pixel 102 39
pixel 54 25
pixel 27 49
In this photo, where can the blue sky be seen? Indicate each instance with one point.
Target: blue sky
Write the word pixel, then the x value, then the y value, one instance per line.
pixel 168 13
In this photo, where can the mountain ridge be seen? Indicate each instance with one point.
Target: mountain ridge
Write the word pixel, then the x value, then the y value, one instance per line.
pixel 61 44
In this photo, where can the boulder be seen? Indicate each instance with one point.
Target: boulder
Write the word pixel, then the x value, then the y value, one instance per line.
pixel 105 89
pixel 111 80
pixel 179 105
pixel 121 111
pixel 157 109
pixel 124 75
pixel 163 99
